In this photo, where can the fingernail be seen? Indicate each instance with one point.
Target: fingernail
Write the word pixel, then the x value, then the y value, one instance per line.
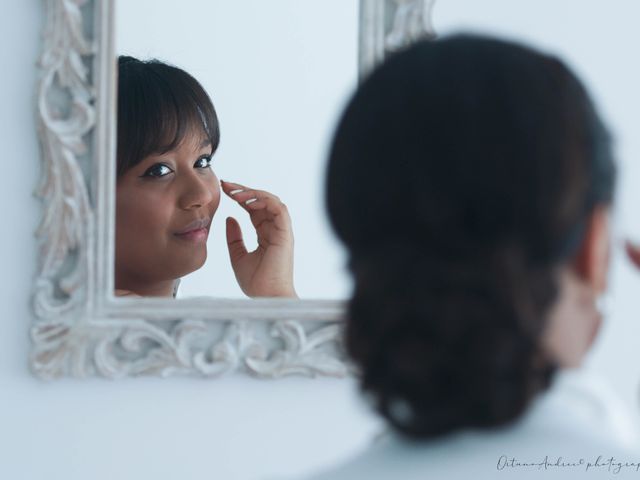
pixel 251 200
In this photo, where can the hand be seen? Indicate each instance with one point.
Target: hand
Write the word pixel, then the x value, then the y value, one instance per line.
pixel 633 252
pixel 268 270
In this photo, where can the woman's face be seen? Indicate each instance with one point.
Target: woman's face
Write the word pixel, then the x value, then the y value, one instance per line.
pixel 157 201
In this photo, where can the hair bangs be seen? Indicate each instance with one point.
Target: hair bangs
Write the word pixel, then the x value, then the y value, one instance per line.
pixel 159 107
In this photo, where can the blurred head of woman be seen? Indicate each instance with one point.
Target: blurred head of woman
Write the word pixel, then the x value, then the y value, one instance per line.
pixel 470 180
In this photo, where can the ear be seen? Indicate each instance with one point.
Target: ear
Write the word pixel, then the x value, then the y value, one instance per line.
pixel 591 262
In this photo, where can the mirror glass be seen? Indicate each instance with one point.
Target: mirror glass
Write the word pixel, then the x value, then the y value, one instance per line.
pixel 278 73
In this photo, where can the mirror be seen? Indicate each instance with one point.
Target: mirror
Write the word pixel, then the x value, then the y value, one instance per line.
pixel 278 87
pixel 278 72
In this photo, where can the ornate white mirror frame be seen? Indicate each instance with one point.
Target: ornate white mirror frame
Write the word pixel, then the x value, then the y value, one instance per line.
pixel 79 328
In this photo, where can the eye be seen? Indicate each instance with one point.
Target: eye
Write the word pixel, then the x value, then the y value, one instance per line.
pixel 203 162
pixel 157 170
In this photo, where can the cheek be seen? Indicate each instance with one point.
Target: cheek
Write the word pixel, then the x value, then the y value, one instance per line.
pixel 138 213
pixel 217 194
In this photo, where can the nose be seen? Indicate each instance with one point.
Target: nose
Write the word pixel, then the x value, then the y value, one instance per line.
pixel 197 191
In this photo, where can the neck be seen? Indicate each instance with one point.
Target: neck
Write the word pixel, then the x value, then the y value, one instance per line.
pixel 163 288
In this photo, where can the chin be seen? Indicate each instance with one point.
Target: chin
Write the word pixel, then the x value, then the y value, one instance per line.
pixel 195 262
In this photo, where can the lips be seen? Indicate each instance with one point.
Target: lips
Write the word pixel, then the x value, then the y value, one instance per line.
pixel 198 224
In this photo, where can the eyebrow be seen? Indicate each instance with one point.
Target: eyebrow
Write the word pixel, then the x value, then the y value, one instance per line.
pixel 205 142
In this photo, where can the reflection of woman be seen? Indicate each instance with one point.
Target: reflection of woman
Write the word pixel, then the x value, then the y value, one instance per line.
pixel 470 180
pixel 167 193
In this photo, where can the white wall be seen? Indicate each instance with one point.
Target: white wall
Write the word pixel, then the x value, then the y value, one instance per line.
pixel 235 428
pixel 279 73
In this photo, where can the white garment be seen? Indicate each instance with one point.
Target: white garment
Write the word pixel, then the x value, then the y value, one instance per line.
pixel 573 423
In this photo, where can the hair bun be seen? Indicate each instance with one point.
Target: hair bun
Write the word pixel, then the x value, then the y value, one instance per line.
pixel 444 343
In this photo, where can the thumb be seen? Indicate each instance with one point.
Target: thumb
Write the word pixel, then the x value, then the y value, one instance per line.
pixel 237 250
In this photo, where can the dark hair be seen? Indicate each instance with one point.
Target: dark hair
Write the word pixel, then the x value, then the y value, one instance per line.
pixel 158 106
pixel 460 179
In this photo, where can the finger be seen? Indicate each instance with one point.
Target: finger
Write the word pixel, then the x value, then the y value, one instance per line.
pixel 633 252
pixel 272 205
pixel 246 197
pixel 235 243
pixel 270 209
pixel 231 188
pixel 253 200
pixel 247 204
pixel 242 193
